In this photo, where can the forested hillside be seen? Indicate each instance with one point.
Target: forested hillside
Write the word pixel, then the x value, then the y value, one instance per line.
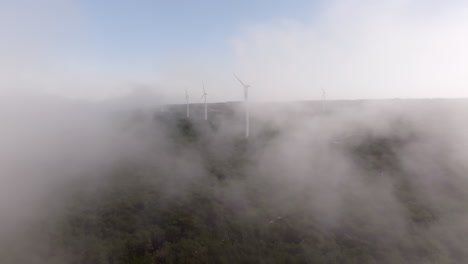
pixel 207 198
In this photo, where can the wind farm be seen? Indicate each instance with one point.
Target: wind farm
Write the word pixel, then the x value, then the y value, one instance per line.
pixel 186 187
pixel 209 160
pixel 143 132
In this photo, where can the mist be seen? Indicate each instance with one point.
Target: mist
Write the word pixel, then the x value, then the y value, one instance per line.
pixel 392 172
pixel 93 170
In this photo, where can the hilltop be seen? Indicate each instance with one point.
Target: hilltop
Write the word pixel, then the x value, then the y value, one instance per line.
pixel 354 182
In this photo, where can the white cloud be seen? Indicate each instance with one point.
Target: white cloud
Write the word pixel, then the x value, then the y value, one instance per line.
pixel 359 49
pixel 352 49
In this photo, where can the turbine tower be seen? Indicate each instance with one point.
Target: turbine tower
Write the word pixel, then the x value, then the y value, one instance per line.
pixel 187 103
pixel 323 99
pixel 246 104
pixel 204 96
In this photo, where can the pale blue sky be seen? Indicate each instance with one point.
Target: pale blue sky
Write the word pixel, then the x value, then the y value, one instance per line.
pixel 287 50
pixel 137 28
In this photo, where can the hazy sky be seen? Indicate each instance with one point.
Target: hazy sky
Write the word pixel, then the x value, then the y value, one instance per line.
pixel 287 50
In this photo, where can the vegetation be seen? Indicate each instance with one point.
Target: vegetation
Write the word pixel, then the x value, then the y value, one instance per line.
pixel 133 218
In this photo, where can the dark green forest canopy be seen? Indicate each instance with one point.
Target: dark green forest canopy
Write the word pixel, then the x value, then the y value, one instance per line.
pixel 137 214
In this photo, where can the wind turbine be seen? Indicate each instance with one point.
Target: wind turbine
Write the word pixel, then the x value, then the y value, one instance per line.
pixel 246 102
pixel 204 96
pixel 187 103
pixel 323 99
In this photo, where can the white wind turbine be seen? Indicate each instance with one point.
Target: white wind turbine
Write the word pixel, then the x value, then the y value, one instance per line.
pixel 246 102
pixel 324 98
pixel 187 103
pixel 204 96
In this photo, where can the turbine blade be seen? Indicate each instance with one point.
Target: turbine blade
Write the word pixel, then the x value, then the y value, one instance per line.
pixel 239 80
